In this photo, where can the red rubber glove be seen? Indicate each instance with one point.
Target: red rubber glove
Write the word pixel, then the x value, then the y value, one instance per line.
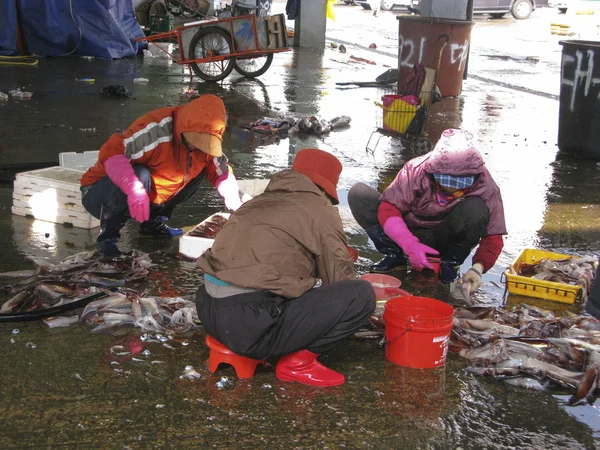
pixel 119 170
pixel 227 188
pixel 396 229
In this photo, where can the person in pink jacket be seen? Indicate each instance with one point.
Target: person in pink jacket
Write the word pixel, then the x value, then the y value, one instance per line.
pixel 442 204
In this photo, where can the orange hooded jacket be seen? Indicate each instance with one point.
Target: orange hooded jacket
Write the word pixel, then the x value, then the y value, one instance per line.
pixel 155 141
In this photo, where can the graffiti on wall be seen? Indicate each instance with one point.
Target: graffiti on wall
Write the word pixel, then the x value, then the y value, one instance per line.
pixel 411 52
pixel 583 74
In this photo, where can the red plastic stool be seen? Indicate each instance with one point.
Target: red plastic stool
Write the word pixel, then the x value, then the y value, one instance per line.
pixel 244 367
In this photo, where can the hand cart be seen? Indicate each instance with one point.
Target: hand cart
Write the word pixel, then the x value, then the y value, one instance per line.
pixel 213 48
pixel 403 114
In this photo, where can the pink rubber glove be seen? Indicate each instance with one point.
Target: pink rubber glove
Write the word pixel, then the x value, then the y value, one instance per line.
pixel 227 188
pixel 396 229
pixel 119 170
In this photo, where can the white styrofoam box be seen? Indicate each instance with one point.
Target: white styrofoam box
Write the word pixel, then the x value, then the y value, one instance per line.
pixel 73 219
pixel 62 207
pixel 78 161
pixel 253 187
pixel 24 190
pixel 157 52
pixel 52 195
pixel 193 246
pixel 57 177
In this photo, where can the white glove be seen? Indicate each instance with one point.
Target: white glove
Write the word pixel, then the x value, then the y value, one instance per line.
pixel 473 276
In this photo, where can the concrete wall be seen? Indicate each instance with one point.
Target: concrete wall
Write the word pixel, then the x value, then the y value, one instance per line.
pixel 310 24
pixel 454 9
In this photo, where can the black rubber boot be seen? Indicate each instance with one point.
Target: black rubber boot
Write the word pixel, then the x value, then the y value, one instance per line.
pixel 452 260
pixel 110 232
pixel 156 226
pixel 394 256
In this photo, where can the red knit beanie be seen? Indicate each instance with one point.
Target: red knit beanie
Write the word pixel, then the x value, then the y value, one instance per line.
pixel 322 168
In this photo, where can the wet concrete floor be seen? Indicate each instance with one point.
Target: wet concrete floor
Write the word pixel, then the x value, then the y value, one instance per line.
pixel 66 393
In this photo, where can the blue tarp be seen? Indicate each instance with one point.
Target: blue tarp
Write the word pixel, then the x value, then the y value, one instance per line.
pixel 8 27
pixel 100 28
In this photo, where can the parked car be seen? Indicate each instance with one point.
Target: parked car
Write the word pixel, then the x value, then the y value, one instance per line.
pixel 520 9
pixel 563 5
pixel 386 5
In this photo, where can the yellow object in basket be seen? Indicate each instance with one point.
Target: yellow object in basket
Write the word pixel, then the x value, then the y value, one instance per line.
pixel 398 116
pixel 547 290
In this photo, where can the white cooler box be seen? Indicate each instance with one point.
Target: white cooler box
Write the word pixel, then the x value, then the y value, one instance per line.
pixel 52 195
pixel 193 246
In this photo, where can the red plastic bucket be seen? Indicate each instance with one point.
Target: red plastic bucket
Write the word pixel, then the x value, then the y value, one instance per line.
pixel 417 331
pixel 385 286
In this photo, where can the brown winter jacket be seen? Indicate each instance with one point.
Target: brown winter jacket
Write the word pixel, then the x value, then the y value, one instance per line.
pixel 282 241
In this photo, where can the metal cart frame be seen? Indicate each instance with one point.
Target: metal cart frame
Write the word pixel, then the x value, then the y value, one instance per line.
pixel 417 141
pixel 218 45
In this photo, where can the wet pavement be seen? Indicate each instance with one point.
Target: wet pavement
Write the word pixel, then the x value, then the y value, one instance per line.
pixel 67 392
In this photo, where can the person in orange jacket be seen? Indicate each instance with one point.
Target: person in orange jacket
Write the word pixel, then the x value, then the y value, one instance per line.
pixel 155 164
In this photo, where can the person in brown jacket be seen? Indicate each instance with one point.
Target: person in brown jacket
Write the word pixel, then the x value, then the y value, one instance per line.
pixel 279 281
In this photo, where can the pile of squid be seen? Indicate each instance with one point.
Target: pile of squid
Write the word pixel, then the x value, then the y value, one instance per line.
pixel 151 314
pixel 572 271
pixel 52 285
pixel 102 291
pixel 530 347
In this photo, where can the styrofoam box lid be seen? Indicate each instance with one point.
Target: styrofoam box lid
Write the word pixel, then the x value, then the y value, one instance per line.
pixel 57 177
pixel 78 161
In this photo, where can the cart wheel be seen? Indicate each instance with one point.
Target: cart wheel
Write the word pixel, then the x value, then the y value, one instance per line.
pixel 421 146
pixel 253 67
pixel 209 42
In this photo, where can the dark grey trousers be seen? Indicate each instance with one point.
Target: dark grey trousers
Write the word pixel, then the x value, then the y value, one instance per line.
pixel 263 325
pixel 465 224
pixel 106 195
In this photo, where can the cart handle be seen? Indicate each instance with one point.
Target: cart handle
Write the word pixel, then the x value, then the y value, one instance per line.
pixel 440 37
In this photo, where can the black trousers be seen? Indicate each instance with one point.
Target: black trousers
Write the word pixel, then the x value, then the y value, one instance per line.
pixel 263 325
pixel 464 225
pixel 106 201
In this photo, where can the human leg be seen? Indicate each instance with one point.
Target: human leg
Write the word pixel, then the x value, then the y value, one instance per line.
pixel 316 322
pixel 459 233
pixel 156 225
pixel 107 202
pixel 364 203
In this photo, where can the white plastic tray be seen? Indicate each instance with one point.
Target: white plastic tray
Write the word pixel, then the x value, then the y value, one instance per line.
pixel 193 246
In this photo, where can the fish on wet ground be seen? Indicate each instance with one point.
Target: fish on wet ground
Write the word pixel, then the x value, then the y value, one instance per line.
pixel 75 277
pixel 155 314
pixel 52 285
pixel 530 342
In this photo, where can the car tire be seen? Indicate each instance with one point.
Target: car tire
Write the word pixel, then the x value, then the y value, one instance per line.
pixel 497 15
pixel 562 10
pixel 521 9
pixel 387 5
pixel 366 6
